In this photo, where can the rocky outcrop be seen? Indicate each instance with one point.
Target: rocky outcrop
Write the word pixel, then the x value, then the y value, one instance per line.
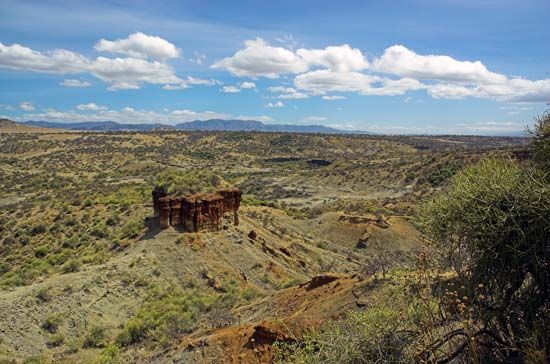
pixel 322 279
pixel 197 212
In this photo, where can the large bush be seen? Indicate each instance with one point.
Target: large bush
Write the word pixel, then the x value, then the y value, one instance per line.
pixel 378 335
pixel 493 226
pixel 540 143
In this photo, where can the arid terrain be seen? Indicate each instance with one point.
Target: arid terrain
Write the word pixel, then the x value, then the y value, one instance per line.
pixel 326 227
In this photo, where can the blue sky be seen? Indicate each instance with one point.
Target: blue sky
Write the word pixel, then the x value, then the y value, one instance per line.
pixel 427 66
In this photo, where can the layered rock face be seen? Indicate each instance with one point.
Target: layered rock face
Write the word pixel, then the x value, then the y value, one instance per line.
pixel 198 212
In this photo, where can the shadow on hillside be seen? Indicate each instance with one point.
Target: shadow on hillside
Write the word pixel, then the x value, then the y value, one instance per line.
pixel 153 228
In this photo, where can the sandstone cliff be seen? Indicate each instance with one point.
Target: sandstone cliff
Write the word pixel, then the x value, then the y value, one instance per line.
pixel 197 212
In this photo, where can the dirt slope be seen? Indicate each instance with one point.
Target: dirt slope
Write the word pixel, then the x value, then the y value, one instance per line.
pixel 110 293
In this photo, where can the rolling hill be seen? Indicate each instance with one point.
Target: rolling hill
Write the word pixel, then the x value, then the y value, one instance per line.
pixel 203 125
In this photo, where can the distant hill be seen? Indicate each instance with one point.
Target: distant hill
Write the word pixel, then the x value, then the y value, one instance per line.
pixel 95 125
pixel 10 126
pixel 204 125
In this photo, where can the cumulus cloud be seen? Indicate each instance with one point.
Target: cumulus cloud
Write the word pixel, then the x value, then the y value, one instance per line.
pixel 91 107
pixel 259 59
pixel 397 71
pixel 399 60
pixel 287 92
pixel 119 73
pixel 140 45
pixel 75 83
pixel 323 81
pixel 230 89
pixel 247 85
pixel 18 57
pixel 514 90
pixel 130 73
pixel 336 58
pixel 333 97
pixel 189 81
pixel 277 104
pixel 27 106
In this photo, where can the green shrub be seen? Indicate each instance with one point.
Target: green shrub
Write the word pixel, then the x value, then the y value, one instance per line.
pixel 95 337
pixel 180 182
pixel 109 355
pixel 71 266
pixel 132 229
pixel 493 226
pixel 167 316
pixel 38 229
pixel 41 251
pixel 442 173
pixel 99 231
pixel 540 143
pixel 377 335
pixel 55 340
pixel 87 202
pixel 43 294
pixel 52 323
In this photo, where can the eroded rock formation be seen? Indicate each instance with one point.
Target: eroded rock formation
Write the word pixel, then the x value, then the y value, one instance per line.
pixel 197 212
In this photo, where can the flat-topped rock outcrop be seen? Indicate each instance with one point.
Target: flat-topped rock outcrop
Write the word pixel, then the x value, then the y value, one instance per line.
pixel 198 212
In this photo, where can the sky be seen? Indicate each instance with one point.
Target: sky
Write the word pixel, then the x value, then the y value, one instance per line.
pixel 424 66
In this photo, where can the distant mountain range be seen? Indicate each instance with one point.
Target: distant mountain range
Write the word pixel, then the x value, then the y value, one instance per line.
pixel 203 125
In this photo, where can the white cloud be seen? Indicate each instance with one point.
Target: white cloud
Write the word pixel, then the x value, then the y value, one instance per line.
pixel 293 95
pixel 118 73
pixel 189 81
pixel 399 60
pixel 259 59
pixel 201 81
pixel 90 107
pixel 450 91
pixel 130 73
pixel 18 57
pixel 491 127
pixel 288 40
pixel 314 119
pixel 198 58
pixel 75 83
pixel 287 92
pixel 391 87
pixel 280 89
pixel 248 85
pixel 230 89
pixel 336 58
pixel 323 81
pixel 27 106
pixel 514 90
pixel 174 87
pixel 262 118
pixel 338 70
pixel 516 109
pixel 343 126
pixel 275 104
pixel 140 45
pixel 333 97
